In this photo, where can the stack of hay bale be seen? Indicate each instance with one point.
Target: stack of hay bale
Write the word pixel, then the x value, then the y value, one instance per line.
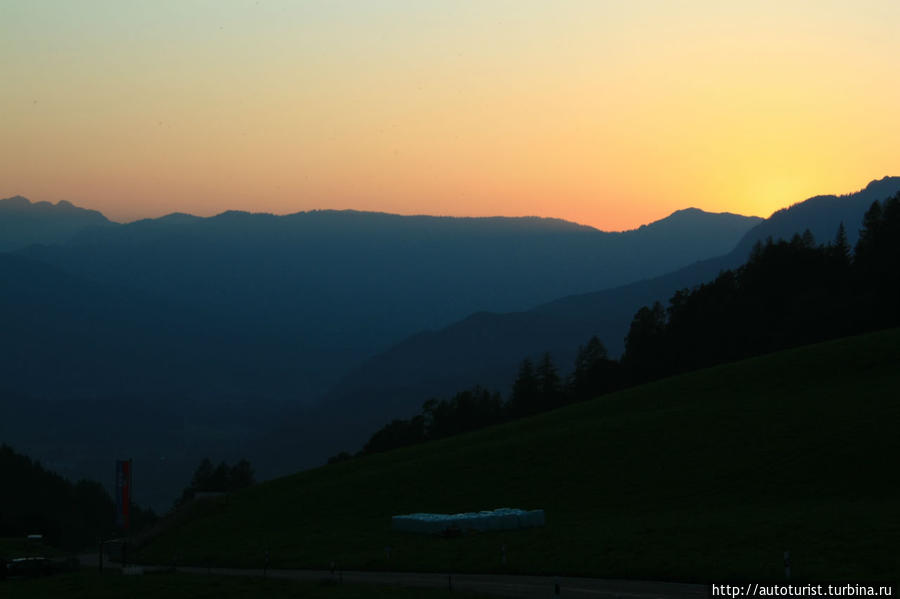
pixel 498 519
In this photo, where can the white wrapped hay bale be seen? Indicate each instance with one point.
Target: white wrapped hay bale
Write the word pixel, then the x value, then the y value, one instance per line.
pixel 534 518
pixel 486 520
pixel 507 519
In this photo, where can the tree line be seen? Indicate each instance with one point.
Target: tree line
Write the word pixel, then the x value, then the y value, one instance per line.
pixel 788 293
pixel 217 479
pixel 68 515
pixel 538 387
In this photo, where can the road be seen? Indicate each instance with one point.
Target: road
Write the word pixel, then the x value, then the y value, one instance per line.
pixel 524 587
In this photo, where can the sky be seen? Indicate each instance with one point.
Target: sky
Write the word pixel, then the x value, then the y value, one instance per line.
pixel 607 113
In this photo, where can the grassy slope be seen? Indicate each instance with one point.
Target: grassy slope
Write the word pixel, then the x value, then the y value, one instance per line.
pixel 705 476
pixel 90 585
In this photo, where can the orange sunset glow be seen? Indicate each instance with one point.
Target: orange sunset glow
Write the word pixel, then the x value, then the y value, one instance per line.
pixel 610 114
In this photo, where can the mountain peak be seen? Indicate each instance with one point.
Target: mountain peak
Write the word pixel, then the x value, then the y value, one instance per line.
pixel 24 222
pixel 822 215
pixel 689 210
pixel 691 217
pixel 15 202
pixel 699 212
pixel 886 184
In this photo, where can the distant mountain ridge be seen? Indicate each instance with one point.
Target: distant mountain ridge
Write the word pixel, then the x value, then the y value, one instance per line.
pixel 261 314
pixel 821 215
pixel 485 348
pixel 350 284
pixel 23 223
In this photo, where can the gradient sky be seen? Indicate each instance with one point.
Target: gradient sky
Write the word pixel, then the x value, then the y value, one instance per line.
pixel 606 113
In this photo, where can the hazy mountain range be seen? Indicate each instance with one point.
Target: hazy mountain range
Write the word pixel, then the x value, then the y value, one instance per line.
pixel 23 223
pixel 259 305
pixel 288 338
pixel 486 348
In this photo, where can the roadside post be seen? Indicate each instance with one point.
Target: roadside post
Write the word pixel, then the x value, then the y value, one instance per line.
pixel 124 480
pixel 787 565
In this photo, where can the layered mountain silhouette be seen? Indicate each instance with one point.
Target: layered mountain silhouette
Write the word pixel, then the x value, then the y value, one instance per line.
pixel 159 327
pixel 243 320
pixel 485 348
pixel 821 215
pixel 295 301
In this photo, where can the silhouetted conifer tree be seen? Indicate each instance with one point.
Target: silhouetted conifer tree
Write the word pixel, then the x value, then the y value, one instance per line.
pixel 645 353
pixel 756 251
pixel 869 235
pixel 594 373
pixel 339 457
pixel 202 475
pixel 218 479
pixel 549 383
pixel 240 476
pixel 808 239
pixel 525 396
pixel 840 249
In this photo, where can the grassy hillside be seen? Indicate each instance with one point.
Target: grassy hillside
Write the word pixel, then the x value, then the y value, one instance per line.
pixel 90 585
pixel 704 476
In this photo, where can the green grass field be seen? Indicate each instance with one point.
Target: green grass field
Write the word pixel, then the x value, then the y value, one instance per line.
pixel 706 476
pixel 90 585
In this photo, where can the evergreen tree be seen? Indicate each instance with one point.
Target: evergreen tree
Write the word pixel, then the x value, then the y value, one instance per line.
pixel 594 373
pixel 218 479
pixel 867 245
pixel 340 457
pixel 890 233
pixel 840 249
pixel 525 396
pixel 202 475
pixel 399 433
pixel 68 515
pixel 808 239
pixel 644 344
pixel 549 383
pixel 218 482
pixel 240 476
pixel 880 262
pixel 757 250
pixel 476 408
